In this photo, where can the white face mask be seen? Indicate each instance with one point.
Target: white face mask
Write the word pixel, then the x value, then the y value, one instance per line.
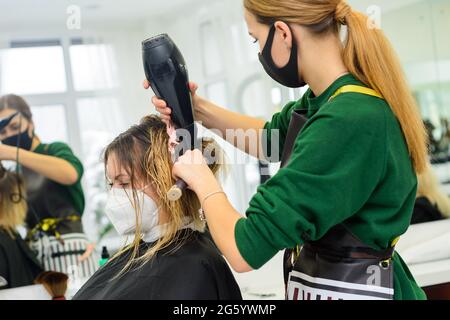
pixel 122 214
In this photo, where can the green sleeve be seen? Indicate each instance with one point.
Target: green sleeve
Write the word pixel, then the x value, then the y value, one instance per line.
pixel 276 129
pixel 63 151
pixel 336 164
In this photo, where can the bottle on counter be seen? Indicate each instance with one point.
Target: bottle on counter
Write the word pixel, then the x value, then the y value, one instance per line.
pixel 105 256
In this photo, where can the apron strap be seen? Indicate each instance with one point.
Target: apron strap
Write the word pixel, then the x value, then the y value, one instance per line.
pixel 356 89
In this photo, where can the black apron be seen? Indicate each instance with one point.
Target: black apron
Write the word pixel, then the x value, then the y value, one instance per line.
pixel 338 266
pixel 44 201
pixel 55 229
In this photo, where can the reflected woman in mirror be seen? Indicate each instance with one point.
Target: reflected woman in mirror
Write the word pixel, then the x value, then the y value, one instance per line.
pixel 55 198
pixel 432 203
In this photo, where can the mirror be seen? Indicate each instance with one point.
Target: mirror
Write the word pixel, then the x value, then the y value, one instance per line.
pixel 421 42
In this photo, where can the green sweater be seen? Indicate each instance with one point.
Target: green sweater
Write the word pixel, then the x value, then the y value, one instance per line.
pixel 350 164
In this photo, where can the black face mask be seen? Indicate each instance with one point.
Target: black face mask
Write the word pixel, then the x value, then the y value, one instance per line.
pixel 288 75
pixel 21 140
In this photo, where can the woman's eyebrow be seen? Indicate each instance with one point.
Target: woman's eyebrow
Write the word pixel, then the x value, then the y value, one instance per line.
pixel 120 176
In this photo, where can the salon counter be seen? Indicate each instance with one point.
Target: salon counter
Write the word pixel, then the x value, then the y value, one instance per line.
pixel 431 273
pixel 425 248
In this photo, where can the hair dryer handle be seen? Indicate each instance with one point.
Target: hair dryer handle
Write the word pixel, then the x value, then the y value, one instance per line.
pixel 176 191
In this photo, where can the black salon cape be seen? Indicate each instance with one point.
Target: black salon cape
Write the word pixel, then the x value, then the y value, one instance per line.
pixel 425 211
pixel 18 264
pixel 195 271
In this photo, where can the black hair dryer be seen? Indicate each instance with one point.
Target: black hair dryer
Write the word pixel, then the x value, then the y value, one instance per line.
pixel 165 70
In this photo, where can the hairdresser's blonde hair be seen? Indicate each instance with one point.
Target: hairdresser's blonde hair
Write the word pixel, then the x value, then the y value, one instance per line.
pixel 430 188
pixel 143 151
pixel 12 212
pixel 367 54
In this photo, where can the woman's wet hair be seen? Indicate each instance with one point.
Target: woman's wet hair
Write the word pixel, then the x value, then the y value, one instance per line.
pixel 143 152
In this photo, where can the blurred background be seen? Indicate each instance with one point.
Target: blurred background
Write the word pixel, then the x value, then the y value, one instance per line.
pixel 83 79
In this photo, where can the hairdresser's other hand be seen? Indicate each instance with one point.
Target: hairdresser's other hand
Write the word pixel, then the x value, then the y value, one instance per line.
pixel 89 249
pixel 193 169
pixel 161 105
pixel 7 152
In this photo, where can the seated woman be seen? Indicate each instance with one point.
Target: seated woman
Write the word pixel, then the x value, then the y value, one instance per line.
pixel 171 258
pixel 18 265
pixel 432 204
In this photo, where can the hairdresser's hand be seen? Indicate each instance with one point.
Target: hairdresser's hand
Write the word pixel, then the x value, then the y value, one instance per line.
pixel 193 169
pixel 7 152
pixel 161 105
pixel 89 249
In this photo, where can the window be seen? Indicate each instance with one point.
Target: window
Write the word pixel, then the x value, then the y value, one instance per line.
pixel 99 122
pixel 71 87
pixel 254 100
pixel 32 70
pixel 100 119
pixel 244 49
pixel 217 92
pixel 211 52
pixel 50 123
pixel 93 67
pixel 276 96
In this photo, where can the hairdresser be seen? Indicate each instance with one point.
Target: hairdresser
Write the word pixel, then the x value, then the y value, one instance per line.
pixel 351 148
pixel 54 193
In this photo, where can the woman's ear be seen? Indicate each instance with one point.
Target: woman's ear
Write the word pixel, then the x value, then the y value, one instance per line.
pixel 286 33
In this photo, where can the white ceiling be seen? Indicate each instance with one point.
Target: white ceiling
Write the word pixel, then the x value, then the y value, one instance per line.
pixel 385 5
pixel 31 12
pixel 37 12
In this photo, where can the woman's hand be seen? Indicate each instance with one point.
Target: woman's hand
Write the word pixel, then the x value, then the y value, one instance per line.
pixel 193 169
pixel 7 152
pixel 89 249
pixel 220 214
pixel 161 105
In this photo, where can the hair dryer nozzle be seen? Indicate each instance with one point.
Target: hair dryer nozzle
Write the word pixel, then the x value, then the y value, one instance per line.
pixel 155 41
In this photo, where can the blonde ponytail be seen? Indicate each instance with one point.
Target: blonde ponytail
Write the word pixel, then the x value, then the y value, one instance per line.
pixel 367 54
